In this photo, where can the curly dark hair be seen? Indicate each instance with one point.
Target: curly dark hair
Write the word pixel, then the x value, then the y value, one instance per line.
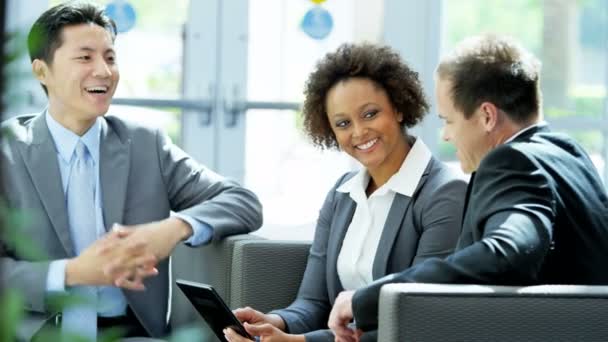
pixel 382 65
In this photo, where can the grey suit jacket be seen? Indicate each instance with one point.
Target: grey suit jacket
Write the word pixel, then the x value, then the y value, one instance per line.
pixel 143 177
pixel 417 228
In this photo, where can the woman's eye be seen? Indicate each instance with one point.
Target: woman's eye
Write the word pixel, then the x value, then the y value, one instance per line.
pixel 342 124
pixel 370 114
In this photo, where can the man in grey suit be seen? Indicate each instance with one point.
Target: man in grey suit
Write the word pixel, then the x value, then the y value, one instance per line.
pixel 139 183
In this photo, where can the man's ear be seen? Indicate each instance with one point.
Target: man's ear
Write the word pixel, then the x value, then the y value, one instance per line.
pixel 489 116
pixel 40 70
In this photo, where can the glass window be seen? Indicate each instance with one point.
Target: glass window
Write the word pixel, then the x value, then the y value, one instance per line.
pixel 150 60
pixel 290 175
pixel 570 39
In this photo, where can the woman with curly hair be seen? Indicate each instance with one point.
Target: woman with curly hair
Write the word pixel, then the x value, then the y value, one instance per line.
pixel 402 207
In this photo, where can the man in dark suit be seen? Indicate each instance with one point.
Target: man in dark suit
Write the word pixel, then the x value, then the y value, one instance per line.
pixel 536 210
pixel 77 172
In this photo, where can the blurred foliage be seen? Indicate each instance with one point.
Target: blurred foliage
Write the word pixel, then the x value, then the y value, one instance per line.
pixel 582 105
pixel 15 50
pixel 11 302
pixel 174 127
pixel 467 17
pixel 592 141
pixel 193 333
pixel 13 236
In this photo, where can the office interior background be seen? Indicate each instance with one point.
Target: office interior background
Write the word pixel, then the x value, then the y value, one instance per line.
pixel 224 78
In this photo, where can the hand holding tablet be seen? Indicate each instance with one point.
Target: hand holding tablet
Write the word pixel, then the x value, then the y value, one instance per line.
pixel 212 308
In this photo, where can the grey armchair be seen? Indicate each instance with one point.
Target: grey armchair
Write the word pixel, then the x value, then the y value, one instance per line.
pixel 246 270
pixel 265 274
pixel 435 312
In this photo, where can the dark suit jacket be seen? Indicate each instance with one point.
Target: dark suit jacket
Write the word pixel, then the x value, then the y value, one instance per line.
pixel 536 213
pixel 143 176
pixel 417 228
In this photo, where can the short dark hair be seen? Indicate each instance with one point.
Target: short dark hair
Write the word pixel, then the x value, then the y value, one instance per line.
pixel 494 69
pixel 45 37
pixel 380 64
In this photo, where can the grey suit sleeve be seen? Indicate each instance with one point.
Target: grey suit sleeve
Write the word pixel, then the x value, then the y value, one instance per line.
pixel 441 220
pixel 31 279
pixel 29 275
pixel 310 310
pixel 206 196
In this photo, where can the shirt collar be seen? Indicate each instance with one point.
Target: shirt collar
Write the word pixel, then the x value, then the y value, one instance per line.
pixel 538 124
pixel 358 181
pixel 66 140
pixel 404 181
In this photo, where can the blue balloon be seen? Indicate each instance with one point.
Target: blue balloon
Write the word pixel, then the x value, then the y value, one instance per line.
pixel 123 15
pixel 317 23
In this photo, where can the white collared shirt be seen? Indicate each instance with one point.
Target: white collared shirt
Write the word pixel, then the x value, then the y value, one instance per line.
pixel 111 301
pixel 356 259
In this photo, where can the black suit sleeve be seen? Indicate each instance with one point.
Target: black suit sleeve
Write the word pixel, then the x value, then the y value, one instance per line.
pixel 511 210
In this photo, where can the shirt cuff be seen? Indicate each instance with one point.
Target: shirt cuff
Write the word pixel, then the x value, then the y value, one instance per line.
pixel 201 232
pixel 55 279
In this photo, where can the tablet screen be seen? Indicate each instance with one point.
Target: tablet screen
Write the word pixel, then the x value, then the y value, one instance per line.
pixel 210 305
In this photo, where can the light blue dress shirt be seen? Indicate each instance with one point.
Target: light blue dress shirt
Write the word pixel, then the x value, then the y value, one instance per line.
pixel 111 301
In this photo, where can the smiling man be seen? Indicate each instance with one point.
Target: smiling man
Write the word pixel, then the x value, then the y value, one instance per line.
pixel 100 191
pixel 536 211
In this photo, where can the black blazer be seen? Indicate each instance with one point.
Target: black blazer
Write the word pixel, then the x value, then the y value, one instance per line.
pixel 536 213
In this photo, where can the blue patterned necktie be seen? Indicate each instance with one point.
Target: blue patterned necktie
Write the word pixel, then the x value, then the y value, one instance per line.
pixel 81 319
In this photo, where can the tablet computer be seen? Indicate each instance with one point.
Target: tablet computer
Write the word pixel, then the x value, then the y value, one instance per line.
pixel 212 307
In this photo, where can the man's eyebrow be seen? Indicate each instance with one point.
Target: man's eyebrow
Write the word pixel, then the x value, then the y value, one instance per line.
pixel 86 49
pixel 90 49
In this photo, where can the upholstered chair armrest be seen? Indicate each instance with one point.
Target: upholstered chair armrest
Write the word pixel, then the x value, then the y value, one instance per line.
pixel 435 312
pixel 209 264
pixel 266 274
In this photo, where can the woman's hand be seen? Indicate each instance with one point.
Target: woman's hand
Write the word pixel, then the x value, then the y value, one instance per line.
pixel 268 328
pixel 266 332
pixel 252 316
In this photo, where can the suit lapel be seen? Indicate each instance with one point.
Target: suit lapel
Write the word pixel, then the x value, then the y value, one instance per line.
pixel 394 223
pixel 345 209
pixel 392 226
pixel 466 235
pixel 40 159
pixel 114 173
